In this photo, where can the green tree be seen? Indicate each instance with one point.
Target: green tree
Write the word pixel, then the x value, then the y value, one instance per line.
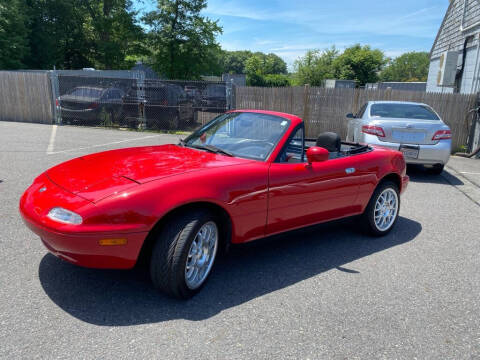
pixel 315 67
pixel 13 34
pixel 266 70
pixel 276 80
pixel 254 71
pixel 359 63
pixel 58 36
pixel 115 32
pixel 72 34
pixel 271 63
pixel 182 39
pixel 234 61
pixel 412 66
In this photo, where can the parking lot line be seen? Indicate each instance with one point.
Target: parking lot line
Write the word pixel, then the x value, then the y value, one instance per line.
pixel 469 173
pixel 51 142
pixel 100 145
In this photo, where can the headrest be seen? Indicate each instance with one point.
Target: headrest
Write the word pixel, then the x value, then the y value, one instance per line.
pixel 330 141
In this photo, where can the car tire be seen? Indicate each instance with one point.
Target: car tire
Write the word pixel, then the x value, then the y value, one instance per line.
pixel 176 254
pixel 375 211
pixel 437 169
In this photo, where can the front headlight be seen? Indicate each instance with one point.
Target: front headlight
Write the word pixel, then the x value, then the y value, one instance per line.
pixel 64 216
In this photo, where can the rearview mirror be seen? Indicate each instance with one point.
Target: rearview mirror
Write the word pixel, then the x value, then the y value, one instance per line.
pixel 317 154
pixel 350 116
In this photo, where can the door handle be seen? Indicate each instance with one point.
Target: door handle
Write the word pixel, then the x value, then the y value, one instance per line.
pixel 350 170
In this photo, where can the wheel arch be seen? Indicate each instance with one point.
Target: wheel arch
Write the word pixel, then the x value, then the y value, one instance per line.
pixel 226 225
pixel 393 177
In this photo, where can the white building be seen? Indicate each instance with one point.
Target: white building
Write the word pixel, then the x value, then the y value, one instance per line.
pixel 455 55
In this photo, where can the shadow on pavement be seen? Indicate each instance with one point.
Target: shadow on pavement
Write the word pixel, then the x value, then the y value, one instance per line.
pixel 120 298
pixel 421 174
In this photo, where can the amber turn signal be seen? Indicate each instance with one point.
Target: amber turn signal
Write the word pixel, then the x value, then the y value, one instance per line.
pixel 110 242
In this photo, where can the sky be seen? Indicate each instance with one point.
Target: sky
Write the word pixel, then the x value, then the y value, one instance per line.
pixel 289 28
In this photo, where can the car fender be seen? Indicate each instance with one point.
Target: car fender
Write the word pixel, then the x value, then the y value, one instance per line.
pixel 387 163
pixel 240 190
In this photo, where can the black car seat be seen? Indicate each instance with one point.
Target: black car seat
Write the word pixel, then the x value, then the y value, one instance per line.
pixel 330 141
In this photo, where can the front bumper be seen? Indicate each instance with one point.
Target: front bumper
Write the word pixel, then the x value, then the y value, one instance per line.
pixel 71 242
pixel 84 250
pixel 428 154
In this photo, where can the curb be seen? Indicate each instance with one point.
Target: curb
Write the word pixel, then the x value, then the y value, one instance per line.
pixel 469 189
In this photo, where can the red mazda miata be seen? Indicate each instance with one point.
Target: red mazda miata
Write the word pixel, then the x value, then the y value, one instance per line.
pixel 245 175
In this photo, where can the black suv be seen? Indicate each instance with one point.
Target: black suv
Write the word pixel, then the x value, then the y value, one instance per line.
pixel 158 105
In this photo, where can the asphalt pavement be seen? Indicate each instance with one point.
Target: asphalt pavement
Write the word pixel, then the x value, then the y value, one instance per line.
pixel 323 292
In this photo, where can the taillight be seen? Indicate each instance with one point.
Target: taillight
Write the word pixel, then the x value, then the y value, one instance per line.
pixel 442 135
pixel 373 130
pixel 57 102
pixel 93 106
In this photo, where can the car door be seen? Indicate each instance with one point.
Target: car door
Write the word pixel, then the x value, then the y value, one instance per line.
pixel 301 194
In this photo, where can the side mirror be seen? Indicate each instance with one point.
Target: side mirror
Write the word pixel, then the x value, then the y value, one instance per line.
pixel 350 116
pixel 317 154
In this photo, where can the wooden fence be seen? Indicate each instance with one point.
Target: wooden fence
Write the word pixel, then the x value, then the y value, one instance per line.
pixel 25 97
pixel 325 109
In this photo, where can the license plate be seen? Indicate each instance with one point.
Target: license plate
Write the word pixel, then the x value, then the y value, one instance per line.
pixel 409 153
pixel 408 137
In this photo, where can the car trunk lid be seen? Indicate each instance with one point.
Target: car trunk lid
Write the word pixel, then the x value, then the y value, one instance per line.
pixel 404 131
pixel 69 102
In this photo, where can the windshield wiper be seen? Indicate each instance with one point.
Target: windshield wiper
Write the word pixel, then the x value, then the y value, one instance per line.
pixel 182 142
pixel 213 149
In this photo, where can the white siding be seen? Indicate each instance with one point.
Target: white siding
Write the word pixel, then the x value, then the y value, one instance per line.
pixel 467 77
pixel 450 37
pixel 432 78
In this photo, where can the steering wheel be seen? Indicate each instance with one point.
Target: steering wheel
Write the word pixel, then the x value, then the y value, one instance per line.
pixel 251 143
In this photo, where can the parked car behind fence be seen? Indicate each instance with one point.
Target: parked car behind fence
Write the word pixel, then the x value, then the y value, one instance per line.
pixel 138 103
pixel 91 105
pixel 161 105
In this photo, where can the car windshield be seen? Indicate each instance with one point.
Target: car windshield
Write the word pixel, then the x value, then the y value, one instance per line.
pixel 245 135
pixel 403 111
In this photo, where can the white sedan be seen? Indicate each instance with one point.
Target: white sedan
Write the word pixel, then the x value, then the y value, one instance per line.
pixel 415 129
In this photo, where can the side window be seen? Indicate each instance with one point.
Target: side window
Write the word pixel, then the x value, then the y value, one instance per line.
pixel 108 95
pixel 362 111
pixel 294 151
pixel 116 94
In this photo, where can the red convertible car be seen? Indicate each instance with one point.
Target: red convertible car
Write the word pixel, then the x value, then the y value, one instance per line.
pixel 243 176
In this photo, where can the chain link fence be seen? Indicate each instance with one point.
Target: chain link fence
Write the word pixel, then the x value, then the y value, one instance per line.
pixel 137 103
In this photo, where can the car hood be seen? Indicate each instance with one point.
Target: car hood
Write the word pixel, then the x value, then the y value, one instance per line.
pixel 99 175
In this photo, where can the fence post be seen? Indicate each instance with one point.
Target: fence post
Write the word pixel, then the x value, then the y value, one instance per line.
pixel 230 95
pixel 356 97
pixel 140 78
pixel 474 137
pixel 291 100
pixel 264 107
pixel 57 114
pixel 388 93
pixel 306 107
